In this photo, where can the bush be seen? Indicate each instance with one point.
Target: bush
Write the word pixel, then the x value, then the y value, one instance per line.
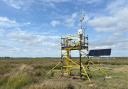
pixel 18 81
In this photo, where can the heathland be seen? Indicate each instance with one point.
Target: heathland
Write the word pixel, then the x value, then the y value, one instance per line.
pixel 32 73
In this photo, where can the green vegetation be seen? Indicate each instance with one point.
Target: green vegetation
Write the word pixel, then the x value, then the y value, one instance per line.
pixel 17 81
pixel 32 74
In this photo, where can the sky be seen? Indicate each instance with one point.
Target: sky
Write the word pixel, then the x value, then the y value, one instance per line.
pixel 33 28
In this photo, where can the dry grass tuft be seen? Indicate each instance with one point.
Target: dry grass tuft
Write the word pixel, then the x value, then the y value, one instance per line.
pixel 57 84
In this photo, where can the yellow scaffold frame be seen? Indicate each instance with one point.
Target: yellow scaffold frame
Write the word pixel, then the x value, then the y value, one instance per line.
pixel 67 63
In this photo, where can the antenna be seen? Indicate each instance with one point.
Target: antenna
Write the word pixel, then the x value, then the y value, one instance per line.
pixel 81 20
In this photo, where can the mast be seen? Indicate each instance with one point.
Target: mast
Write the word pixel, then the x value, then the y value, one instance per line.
pixel 81 35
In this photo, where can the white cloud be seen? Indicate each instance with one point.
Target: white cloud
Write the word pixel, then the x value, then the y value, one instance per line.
pixel 70 21
pixel 5 22
pixel 104 23
pixel 18 4
pixel 9 23
pixel 28 23
pixel 117 41
pixel 23 4
pixel 54 23
pixel 66 20
pixel 55 1
pixel 114 24
pixel 18 40
pixel 26 4
pixel 116 21
pixel 116 5
pixel 90 1
pixel 31 39
pixel 14 3
pixel 24 37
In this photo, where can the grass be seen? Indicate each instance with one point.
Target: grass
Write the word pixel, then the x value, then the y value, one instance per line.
pixel 18 81
pixel 32 74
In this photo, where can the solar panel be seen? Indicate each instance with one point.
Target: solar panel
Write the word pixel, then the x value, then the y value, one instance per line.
pixel 100 52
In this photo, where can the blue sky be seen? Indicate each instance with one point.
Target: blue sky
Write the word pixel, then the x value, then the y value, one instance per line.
pixel 32 28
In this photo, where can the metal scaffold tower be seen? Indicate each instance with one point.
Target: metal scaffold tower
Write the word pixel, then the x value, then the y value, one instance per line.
pixel 71 67
pixel 79 43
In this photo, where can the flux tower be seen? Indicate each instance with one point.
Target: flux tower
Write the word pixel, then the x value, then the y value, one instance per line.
pixel 78 43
